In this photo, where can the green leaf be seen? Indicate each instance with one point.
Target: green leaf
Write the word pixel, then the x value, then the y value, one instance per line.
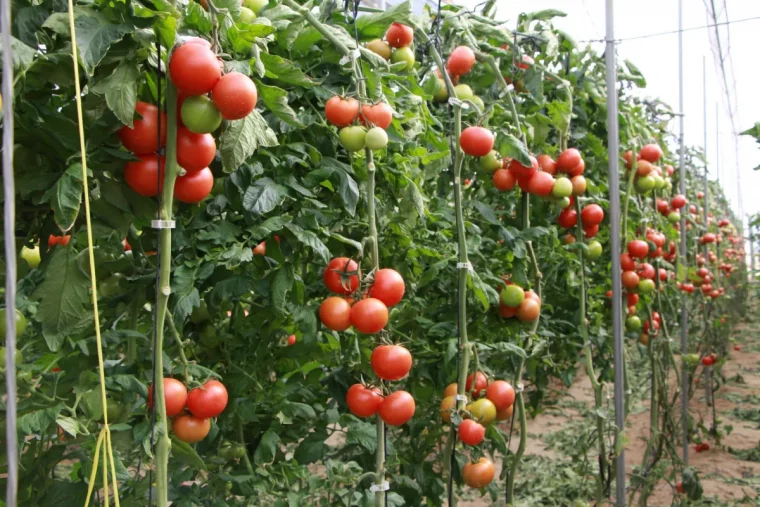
pixel 241 139
pixel 197 18
pixel 285 71
pixel 310 239
pixel 363 434
pixel 487 212
pixel 63 295
pixel 559 112
pixel 267 448
pixel 184 452
pixel 120 89
pixel 348 241
pixel 185 296
pixel 312 448
pixel 276 100
pixel 38 420
pixel 298 410
pixel 22 55
pixel 69 425
pixel 67 197
pixel 166 30
pixel 512 147
pixel 544 15
pixel 263 196
pixel 64 494
pixel 372 26
pixel 281 285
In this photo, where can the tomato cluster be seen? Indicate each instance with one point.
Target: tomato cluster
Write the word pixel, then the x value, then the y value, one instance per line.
pixel 203 403
pixel 344 112
pixel 648 176
pixel 396 46
pixel 514 301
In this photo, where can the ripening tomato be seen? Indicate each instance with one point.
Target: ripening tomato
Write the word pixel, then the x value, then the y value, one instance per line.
pixel 501 394
pixel 480 474
pixel 194 69
pixel 503 415
pixel 630 280
pixel 194 187
pixel 451 390
pixel 547 164
pixel 190 429
pixel 651 153
pixel 397 408
pixel 541 184
pixel 448 405
pixel 521 171
pixel 341 276
pixel 380 115
pixel 341 112
pixel 504 180
pixel 568 218
pixel 461 61
pixel 579 184
pixel 644 168
pixel 399 36
pixel 335 313
pixel 207 401
pixel 142 138
pixel 471 432
pixel 194 151
pixel 591 215
pixel 568 160
pixel 380 47
pixel 476 141
pixel 388 287
pixel 235 96
pixel 638 249
pixel 678 201
pixel 369 315
pixel 363 401
pixel 391 362
pixel 175 396
pixel 142 175
pixel 529 310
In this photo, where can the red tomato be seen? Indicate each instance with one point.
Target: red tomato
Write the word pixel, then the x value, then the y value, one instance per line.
pixel 663 273
pixel 207 401
pixel 568 160
pixel 630 280
pixel 194 69
pixel 391 362
pixel 380 114
pixel 341 276
pixel 399 36
pixel 521 171
pixel 481 382
pixel 341 112
pixel 632 299
pixel 142 175
pixel 708 360
pixel 292 340
pixel 190 429
pixel 194 151
pixel 58 240
pixel 577 170
pixel 547 164
pixel 335 313
pixel 679 488
pixel 626 262
pixel 663 207
pixel 651 152
pixel 645 270
pixel 194 187
pixel 503 179
pixel 568 218
pixel 476 141
pixel 591 215
pixel 501 393
pixel 369 315
pixel 461 61
pixel 644 168
pixel 234 95
pixel 175 396
pixel 388 287
pixel 480 474
pixel 591 231
pixel 541 184
pixel 142 138
pixel 638 249
pixel 363 401
pixel 529 310
pixel 507 311
pixel 678 201
pixel 397 408
pixel 471 432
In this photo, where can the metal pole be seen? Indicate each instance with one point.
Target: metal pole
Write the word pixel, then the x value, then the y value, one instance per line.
pixel 684 260
pixel 704 107
pixel 717 145
pixel 9 235
pixel 752 252
pixel 617 288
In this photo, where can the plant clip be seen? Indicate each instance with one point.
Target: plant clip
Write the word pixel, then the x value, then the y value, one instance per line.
pixel 163 224
pixel 383 486
pixel 453 101
pixel 464 265
pixel 461 397
pixel 520 387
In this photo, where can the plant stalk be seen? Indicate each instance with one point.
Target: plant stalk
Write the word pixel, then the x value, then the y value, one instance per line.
pixel 523 435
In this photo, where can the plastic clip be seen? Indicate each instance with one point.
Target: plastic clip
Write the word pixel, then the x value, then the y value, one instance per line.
pixel 383 486
pixel 163 224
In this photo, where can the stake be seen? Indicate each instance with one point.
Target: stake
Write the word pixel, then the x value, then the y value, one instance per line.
pixel 617 288
pixel 685 386
pixel 704 107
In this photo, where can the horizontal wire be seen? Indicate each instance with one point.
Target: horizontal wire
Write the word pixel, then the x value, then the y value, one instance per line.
pixel 659 34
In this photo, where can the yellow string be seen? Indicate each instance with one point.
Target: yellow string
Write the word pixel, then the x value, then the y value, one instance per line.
pixel 105 433
pixel 94 471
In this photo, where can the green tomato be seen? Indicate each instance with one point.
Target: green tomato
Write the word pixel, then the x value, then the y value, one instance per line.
pixel 231 450
pixel 200 313
pixel 18 359
pixel 111 286
pixel 353 138
pixel 490 162
pixel 512 295
pixel 691 360
pixel 594 250
pixel 376 138
pixel 674 217
pixel 200 115
pixel 247 15
pixel 562 203
pixel 645 184
pixel 659 182
pixel 441 93
pixel 31 256
pixel 563 187
pixel 209 336
pixel 256 5
pixel 633 323
pixel 646 286
pixel 20 323
pixel 403 55
pixel 479 102
pixel 464 92
pixel 115 411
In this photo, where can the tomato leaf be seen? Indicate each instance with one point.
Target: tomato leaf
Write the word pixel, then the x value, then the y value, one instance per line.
pixel 281 285
pixel 310 239
pixel 185 296
pixel 542 15
pixel 66 197
pixel 363 434
pixel 39 420
pixel 267 448
pixel 512 147
pixel 22 55
pixel 185 453
pixel 241 139
pixel 60 493
pixel 68 424
pixel 372 26
pixel 120 89
pixel 312 448
pixel 283 70
pixel 263 196
pixel 276 100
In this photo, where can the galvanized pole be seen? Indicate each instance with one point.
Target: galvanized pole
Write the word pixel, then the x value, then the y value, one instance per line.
pixel 717 145
pixel 684 259
pixel 9 236
pixel 751 251
pixel 617 289
pixel 704 107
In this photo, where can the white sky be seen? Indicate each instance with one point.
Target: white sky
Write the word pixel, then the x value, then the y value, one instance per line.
pixel 657 57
